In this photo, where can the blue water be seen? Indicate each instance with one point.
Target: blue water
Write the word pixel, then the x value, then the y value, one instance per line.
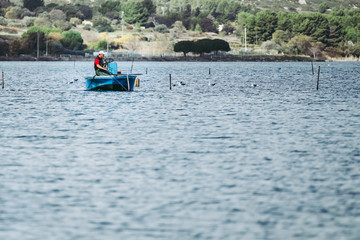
pixel 278 160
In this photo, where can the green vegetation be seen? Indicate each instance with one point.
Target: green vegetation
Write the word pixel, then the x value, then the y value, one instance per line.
pixel 320 29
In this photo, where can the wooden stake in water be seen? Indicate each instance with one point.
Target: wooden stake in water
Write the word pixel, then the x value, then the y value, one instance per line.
pixel 128 83
pixel 170 80
pixel 3 80
pixel 209 71
pixel 318 79
pixel 146 70
pixel 312 66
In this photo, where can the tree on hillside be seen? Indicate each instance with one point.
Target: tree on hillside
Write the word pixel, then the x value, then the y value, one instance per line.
pixel 109 6
pixel 246 20
pixel 355 50
pixel 352 34
pixel 316 49
pixel 15 47
pixel 203 46
pixel 4 47
pixel 86 11
pixel 138 11
pixel 266 23
pixel 72 40
pixel 186 16
pixel 284 21
pixel 227 10
pixel 323 7
pixel 71 11
pixel 314 25
pixel 280 37
pixel 33 4
pixel 300 44
pixel 54 40
pixel 29 40
pixel 336 31
pixel 184 47
pixel 207 25
pixel 220 45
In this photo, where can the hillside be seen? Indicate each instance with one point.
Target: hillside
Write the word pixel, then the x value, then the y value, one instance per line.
pixel 301 5
pixel 276 5
pixel 152 27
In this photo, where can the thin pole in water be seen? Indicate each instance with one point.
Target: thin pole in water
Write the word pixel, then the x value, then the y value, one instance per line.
pixel 3 80
pixel 312 66
pixel 209 71
pixel 170 80
pixel 127 79
pixel 146 70
pixel 132 64
pixel 318 79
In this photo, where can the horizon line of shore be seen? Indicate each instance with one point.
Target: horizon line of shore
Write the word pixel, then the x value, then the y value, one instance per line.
pixel 240 58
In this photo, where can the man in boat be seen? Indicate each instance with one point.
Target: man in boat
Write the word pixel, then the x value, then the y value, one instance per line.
pixel 100 66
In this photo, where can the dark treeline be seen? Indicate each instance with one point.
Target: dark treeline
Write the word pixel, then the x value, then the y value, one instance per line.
pixel 202 46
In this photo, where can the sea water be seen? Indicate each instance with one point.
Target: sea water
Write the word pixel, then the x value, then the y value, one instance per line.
pixel 249 151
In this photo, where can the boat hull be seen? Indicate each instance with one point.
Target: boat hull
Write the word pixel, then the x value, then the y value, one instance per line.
pixel 111 83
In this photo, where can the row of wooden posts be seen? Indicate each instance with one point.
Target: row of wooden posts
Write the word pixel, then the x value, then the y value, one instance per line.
pixel 318 78
pixel 312 65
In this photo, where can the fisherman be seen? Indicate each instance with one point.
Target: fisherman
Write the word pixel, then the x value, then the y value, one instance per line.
pixel 100 66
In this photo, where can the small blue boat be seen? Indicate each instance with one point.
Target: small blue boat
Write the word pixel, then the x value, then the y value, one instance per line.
pixel 122 82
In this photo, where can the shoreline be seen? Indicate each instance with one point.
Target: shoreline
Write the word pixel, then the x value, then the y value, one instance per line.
pixel 239 58
pixel 231 58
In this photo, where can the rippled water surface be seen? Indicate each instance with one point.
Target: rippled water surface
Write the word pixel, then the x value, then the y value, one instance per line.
pixel 278 160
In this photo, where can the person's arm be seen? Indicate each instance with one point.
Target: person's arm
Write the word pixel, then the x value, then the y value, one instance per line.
pixel 98 65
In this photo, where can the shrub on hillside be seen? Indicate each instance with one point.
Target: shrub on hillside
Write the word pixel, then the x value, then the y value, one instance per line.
pixel 271 46
pixel 87 27
pixel 42 22
pixel 63 25
pixel 3 21
pixel 28 21
pixel 75 21
pixel 161 28
pixel 13 13
pixel 102 24
pixel 57 15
